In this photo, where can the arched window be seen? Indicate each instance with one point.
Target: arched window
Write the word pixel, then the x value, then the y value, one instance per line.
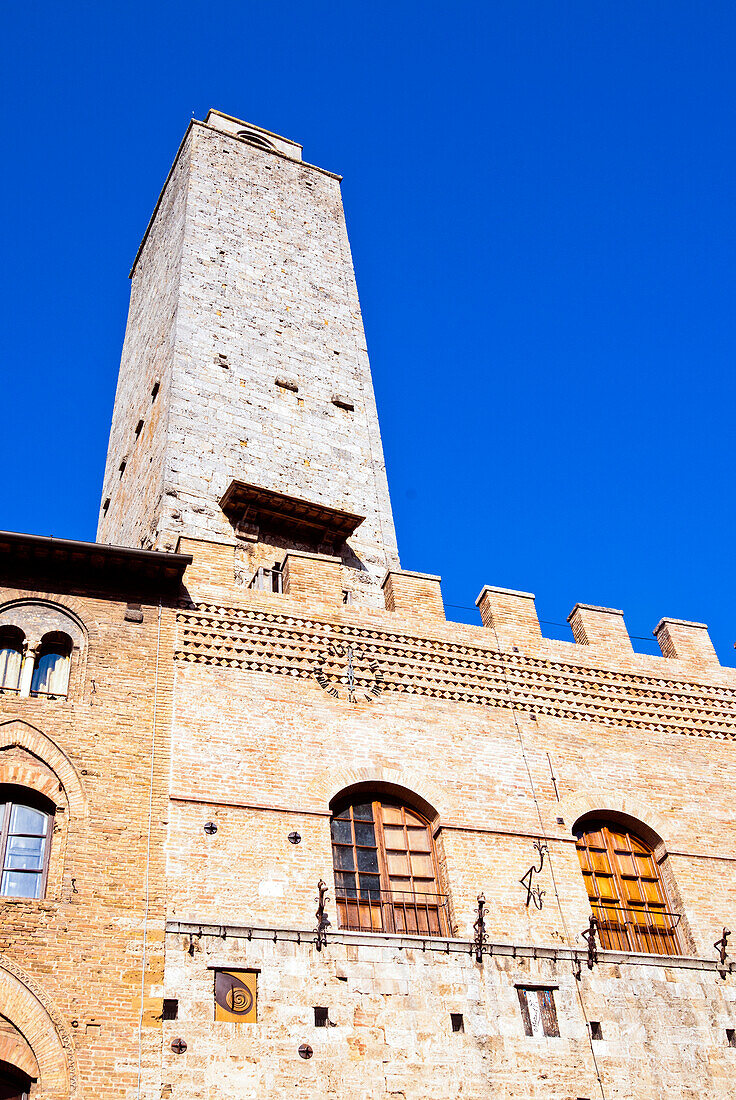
pixel 386 869
pixel 26 822
pixel 626 891
pixel 51 671
pixel 258 140
pixel 11 657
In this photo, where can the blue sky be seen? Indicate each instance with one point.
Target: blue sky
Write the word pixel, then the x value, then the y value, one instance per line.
pixel 540 199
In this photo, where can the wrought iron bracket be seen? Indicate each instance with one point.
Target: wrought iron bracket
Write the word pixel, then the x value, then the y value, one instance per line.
pixel 322 921
pixel 589 935
pixel 535 893
pixel 481 939
pixel 721 946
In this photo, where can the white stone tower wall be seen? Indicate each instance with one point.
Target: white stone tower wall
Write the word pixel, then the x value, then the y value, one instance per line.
pixel 264 294
pixel 132 516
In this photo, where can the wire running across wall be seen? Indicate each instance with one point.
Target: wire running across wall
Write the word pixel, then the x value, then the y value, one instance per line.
pixel 648 638
pixel 550 861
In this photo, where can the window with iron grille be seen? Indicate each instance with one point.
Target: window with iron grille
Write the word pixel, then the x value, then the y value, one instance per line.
pixel 538 1011
pixel 626 891
pixel 386 871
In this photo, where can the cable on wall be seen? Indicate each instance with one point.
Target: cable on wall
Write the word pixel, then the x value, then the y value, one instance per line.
pixel 148 849
pixel 568 937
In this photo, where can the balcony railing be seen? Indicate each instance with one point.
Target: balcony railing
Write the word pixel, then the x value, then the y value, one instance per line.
pixel 267 580
pixel 645 930
pixel 394 911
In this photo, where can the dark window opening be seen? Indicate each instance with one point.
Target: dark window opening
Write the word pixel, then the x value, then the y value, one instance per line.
pixel 121 468
pixel 731 1036
pixel 596 1031
pixel 138 428
pixel 170 1009
pixel 14 1083
pixel 154 391
pixel 105 506
pixel 456 1019
pixel 321 1017
pixel 12 640
pixel 257 139
pixel 51 667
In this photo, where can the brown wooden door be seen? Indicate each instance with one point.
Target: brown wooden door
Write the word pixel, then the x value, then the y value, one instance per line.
pixel 626 892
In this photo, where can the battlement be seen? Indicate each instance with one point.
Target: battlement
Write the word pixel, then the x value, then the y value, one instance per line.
pixel 509 618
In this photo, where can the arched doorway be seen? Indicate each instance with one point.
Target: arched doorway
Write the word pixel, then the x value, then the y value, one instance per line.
pixel 14 1083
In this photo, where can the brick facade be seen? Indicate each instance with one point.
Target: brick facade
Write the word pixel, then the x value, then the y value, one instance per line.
pixel 197 745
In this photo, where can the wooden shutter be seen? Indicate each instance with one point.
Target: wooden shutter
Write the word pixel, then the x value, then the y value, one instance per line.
pixel 626 891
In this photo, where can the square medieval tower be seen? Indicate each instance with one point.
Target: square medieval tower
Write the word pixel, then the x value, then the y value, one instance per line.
pixel 245 413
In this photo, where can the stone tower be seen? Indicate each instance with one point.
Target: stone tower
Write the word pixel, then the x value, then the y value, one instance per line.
pixel 244 412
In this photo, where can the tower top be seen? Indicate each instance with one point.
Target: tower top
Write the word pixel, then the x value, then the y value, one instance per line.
pixel 254 135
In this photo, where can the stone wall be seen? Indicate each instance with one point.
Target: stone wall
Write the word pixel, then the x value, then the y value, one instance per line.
pixel 503 743
pixel 390 1033
pixel 269 376
pixel 72 963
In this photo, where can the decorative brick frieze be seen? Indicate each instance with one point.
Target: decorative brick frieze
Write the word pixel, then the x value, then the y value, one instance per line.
pixel 260 641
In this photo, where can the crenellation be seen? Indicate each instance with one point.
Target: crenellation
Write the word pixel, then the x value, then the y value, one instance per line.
pixel 602 627
pixel 417 596
pixel 510 615
pixel 685 641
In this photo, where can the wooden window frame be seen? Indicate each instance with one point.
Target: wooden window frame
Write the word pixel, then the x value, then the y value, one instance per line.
pixel 23 796
pixel 547 1011
pixel 657 936
pixel 385 908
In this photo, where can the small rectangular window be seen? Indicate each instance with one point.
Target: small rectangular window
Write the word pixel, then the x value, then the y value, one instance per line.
pixel 138 428
pixel 456 1019
pixel 321 1017
pixel 105 506
pixel 538 1012
pixel 731 1036
pixel 154 391
pixel 170 1009
pixel 596 1031
pixel 121 468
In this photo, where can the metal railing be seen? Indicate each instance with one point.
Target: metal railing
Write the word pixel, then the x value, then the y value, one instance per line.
pixel 267 580
pixel 394 911
pixel 642 929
